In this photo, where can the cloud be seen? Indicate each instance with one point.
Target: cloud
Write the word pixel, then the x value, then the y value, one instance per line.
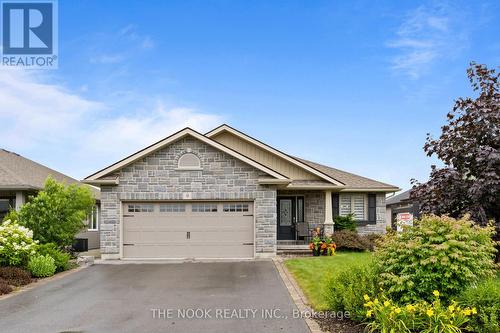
pixel 118 46
pixel 426 35
pixel 78 136
pixel 107 59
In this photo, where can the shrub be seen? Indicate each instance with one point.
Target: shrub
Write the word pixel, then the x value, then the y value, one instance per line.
pixel 371 240
pixel 15 276
pixel 349 240
pixel 61 259
pixel 42 266
pixel 343 291
pixel 16 244
pixel 486 298
pixel 387 316
pixel 56 213
pixel 345 223
pixel 4 287
pixel 439 253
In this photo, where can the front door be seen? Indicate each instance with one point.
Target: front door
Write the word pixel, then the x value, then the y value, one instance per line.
pixel 286 218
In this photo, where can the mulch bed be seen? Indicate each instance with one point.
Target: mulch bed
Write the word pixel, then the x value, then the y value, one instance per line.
pixel 338 325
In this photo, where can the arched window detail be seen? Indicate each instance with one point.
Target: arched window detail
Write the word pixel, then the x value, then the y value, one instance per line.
pixel 189 161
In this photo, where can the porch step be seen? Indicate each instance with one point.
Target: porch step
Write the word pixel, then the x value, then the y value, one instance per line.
pixel 293 249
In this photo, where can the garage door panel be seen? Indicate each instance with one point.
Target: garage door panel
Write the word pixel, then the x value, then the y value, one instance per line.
pixel 193 230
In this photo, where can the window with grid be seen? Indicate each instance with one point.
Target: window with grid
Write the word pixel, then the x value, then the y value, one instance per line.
pixel 173 208
pixel 140 208
pixel 204 208
pixel 236 207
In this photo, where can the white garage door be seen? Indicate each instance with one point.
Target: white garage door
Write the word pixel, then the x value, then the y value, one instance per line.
pixel 188 230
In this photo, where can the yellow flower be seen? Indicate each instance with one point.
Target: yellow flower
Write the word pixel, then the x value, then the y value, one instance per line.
pixel 369 304
pixel 435 293
pixel 369 313
pixel 375 301
pixel 366 297
pixel 474 311
pixel 451 308
pixel 467 312
pixel 430 312
pixel 387 303
pixel 410 307
pixel 397 310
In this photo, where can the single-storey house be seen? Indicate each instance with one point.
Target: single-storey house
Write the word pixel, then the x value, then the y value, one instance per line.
pixel 21 177
pixel 224 194
pixel 401 205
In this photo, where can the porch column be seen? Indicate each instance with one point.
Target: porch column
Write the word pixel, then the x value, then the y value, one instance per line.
pixel 328 224
pixel 19 199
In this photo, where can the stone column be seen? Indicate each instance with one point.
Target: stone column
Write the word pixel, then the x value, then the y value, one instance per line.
pixel 328 224
pixel 20 199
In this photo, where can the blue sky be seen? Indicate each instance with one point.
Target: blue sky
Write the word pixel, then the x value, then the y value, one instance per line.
pixel 352 84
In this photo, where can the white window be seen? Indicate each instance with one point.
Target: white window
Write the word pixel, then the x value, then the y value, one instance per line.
pixel 140 208
pixel 189 161
pixel 203 207
pixel 172 208
pixel 93 219
pixel 236 207
pixel 353 204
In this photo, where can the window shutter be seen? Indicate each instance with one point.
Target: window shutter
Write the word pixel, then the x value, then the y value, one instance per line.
pixel 372 208
pixel 335 204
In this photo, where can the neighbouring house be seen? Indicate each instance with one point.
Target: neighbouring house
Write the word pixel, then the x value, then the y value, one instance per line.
pixel 401 209
pixel 224 194
pixel 21 177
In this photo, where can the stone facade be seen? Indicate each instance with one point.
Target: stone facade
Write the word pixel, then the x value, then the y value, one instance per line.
pixel 314 210
pixel 314 205
pixel 156 177
pixel 379 227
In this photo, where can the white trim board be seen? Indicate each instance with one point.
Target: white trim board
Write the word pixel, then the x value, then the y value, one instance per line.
pixel 174 137
pixel 274 151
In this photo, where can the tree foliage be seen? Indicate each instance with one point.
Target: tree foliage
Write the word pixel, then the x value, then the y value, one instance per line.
pixel 469 147
pixel 56 214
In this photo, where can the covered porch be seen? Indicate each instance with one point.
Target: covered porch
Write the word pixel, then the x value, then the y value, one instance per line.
pixel 299 213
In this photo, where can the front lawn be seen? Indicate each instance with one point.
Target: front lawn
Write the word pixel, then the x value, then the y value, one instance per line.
pixel 311 272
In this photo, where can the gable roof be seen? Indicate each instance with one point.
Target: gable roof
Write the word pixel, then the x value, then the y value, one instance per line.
pixel 351 181
pixel 403 196
pixel 345 181
pixel 275 151
pixel 20 173
pixel 94 178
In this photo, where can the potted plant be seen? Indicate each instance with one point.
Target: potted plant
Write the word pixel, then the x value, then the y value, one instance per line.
pixel 315 246
pixel 322 246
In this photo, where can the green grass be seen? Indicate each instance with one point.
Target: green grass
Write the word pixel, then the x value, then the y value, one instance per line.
pixel 311 272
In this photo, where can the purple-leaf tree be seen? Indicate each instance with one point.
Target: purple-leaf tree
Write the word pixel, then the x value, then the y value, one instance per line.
pixel 469 148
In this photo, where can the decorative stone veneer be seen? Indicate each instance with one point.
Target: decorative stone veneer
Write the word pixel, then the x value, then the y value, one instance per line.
pixel 380 226
pixel 314 210
pixel 156 177
pixel 314 205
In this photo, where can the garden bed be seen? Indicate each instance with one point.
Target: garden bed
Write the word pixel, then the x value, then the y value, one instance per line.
pixel 13 279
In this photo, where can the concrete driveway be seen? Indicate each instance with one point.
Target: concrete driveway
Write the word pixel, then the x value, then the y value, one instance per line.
pixel 212 297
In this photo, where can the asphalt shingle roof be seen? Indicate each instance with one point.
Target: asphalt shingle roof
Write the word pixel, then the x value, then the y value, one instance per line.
pixel 349 179
pixel 18 172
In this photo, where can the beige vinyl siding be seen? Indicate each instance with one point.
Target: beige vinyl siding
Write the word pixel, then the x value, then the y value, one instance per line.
pixel 264 157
